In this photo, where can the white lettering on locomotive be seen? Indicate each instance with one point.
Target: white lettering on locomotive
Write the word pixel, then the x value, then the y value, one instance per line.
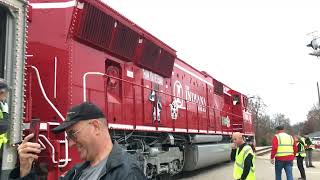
pixel 150 76
pixel 178 92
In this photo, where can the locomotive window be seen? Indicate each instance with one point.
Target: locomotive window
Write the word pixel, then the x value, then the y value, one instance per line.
pixel 3 33
pixel 236 100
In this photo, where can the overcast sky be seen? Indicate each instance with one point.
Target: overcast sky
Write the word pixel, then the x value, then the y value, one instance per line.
pixel 256 47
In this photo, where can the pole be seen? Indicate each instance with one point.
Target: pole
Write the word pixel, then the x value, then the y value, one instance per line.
pixel 318 93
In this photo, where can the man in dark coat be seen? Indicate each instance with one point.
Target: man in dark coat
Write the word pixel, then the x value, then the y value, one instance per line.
pixel 87 131
pixel 309 149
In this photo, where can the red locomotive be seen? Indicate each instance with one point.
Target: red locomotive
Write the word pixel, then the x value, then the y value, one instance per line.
pixel 171 116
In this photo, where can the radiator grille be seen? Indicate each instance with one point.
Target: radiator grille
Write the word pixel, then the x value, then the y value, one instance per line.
pixel 96 27
pixel 126 41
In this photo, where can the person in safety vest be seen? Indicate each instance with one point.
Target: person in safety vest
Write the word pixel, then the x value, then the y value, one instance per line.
pixel 4 113
pixel 243 157
pixel 300 156
pixel 309 148
pixel 4 117
pixel 283 152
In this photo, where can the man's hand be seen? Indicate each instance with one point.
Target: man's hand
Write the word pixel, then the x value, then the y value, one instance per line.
pixel 234 146
pixel 272 161
pixel 27 154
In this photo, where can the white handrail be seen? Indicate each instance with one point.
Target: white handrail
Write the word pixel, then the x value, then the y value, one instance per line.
pixel 55 78
pixel 53 150
pixel 41 143
pixel 59 114
pixel 66 150
pixel 45 95
pixel 84 82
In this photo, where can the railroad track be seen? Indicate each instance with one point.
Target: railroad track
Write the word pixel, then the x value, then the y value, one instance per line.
pixel 263 150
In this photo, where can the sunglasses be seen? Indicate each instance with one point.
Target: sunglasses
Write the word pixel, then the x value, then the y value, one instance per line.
pixel 73 135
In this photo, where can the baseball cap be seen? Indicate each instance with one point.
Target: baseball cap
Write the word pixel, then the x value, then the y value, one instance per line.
pixel 81 112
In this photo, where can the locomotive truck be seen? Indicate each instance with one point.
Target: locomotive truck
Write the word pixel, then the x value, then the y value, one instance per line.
pixel 169 115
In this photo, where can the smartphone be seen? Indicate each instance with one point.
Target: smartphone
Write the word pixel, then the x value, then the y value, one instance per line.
pixel 35 128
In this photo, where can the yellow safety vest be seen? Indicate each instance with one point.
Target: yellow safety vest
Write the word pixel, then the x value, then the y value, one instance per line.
pixel 302 152
pixel 239 163
pixel 285 145
pixel 303 140
pixel 3 137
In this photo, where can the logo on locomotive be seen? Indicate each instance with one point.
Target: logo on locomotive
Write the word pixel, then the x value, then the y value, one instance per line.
pixel 183 94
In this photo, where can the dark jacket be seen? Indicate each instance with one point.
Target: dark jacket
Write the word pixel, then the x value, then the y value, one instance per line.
pixel 120 166
pixel 247 162
pixel 308 143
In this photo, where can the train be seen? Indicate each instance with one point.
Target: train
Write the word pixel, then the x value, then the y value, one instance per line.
pixel 169 115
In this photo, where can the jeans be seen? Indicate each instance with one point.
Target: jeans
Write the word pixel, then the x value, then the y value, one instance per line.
pixel 300 167
pixel 287 166
pixel 309 158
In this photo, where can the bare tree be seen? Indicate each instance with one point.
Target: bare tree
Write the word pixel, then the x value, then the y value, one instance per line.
pixel 264 125
pixel 313 121
pixel 280 119
pixel 311 124
pixel 260 119
pixel 297 128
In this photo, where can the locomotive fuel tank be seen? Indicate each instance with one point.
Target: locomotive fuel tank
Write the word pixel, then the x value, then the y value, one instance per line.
pixel 203 155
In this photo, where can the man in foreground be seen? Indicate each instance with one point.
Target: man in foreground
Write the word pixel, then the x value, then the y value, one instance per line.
pixel 86 129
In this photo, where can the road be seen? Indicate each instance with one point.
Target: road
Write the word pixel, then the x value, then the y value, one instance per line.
pixel 264 171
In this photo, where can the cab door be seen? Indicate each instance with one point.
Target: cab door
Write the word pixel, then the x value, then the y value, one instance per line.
pixel 113 96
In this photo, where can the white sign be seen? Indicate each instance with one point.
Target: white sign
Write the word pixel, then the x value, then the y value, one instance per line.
pixel 148 75
pixel 129 73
